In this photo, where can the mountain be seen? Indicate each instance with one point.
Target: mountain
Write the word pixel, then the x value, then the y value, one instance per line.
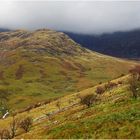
pixel 4 30
pixel 52 88
pixel 43 65
pixel 118 44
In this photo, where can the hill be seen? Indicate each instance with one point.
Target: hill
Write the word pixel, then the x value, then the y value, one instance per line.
pixel 114 114
pixel 42 65
pixel 118 44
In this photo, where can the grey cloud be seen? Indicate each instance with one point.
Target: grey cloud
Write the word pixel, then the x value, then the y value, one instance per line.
pixel 76 16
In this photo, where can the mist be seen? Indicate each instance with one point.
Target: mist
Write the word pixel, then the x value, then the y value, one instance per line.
pixel 87 17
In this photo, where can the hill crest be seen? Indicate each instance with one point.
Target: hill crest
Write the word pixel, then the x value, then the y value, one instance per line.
pixel 41 41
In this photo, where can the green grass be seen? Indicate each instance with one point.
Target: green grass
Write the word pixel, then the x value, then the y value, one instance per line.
pixel 123 123
pixel 53 82
pixel 117 115
pixel 48 71
pixel 48 65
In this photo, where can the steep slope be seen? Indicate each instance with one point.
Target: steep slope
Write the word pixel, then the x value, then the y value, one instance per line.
pixel 119 44
pixel 44 64
pixel 115 115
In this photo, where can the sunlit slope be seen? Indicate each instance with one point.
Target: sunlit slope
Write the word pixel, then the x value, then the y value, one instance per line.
pixel 36 66
pixel 115 115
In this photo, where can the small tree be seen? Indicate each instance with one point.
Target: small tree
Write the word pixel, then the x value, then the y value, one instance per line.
pixel 26 124
pixel 13 126
pixel 88 100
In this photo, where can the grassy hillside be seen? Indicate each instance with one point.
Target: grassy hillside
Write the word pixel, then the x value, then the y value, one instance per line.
pixel 114 115
pixel 44 64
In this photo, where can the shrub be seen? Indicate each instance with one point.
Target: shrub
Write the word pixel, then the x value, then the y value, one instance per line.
pixel 100 83
pixel 110 85
pixel 122 75
pixel 133 86
pixel 120 82
pixel 135 72
pixel 26 124
pixel 136 69
pixel 88 100
pixel 134 80
pixel 100 90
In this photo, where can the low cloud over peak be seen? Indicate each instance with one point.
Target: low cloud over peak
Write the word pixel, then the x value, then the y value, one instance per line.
pixel 90 17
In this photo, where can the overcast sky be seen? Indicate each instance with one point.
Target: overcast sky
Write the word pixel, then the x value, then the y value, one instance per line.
pixel 90 17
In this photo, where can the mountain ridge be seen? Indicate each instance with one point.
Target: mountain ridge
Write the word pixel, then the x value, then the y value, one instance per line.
pixel 25 38
pixel 124 44
pixel 4 30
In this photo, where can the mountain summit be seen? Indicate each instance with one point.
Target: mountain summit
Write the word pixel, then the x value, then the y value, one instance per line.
pixel 41 41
